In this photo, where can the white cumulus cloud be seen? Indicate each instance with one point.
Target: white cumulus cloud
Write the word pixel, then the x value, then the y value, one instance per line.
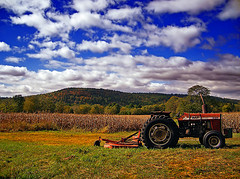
pixel 177 38
pixel 90 5
pixel 4 47
pixel 49 53
pixel 231 10
pixel 102 46
pixel 117 14
pixel 98 46
pixel 8 72
pixel 189 6
pixel 21 6
pixel 14 59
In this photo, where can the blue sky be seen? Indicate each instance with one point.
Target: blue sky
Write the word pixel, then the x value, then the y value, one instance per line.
pixel 161 46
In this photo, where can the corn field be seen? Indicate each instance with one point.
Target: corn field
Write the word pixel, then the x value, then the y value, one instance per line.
pixel 56 121
pixel 105 123
pixel 231 120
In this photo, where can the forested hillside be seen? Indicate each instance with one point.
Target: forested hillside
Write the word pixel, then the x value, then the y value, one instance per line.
pixel 101 101
pixel 71 96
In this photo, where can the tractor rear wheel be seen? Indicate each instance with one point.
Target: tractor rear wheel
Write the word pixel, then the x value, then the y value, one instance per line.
pixel 213 139
pixel 160 132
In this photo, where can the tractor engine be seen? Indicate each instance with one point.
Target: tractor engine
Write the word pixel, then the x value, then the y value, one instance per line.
pixel 193 128
pixel 197 124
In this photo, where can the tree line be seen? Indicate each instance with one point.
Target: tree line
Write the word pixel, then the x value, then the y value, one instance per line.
pixel 175 104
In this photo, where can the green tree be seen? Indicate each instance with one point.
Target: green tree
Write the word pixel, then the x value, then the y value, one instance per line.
pixel 28 105
pixel 201 91
pixel 227 107
pixel 96 109
pixel 149 108
pixel 19 100
pixel 59 107
pixel 198 90
pixel 8 105
pixel 71 111
pixel 172 104
pixel 2 106
pixel 137 111
pixel 82 109
pixel 130 105
pixel 47 106
pixel 125 111
pixel 113 108
pixel 237 107
pixel 31 104
pixel 188 106
pixel 67 109
pixel 162 107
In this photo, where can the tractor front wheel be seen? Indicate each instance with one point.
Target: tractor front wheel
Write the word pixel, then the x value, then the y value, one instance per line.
pixel 214 140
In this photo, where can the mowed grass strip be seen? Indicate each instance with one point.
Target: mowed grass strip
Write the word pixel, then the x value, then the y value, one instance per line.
pixel 70 155
pixel 61 137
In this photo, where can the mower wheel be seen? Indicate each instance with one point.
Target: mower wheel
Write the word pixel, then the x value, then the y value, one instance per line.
pixel 97 143
pixel 213 139
pixel 160 132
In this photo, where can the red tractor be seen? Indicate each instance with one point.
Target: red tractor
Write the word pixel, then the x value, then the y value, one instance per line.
pixel 160 131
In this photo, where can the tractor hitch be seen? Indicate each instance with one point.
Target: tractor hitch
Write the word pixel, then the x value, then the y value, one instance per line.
pixel 123 143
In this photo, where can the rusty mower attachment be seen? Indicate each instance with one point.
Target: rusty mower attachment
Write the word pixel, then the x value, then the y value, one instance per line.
pixel 132 141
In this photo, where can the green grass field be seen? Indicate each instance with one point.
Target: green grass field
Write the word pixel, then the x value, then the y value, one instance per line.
pixel 65 154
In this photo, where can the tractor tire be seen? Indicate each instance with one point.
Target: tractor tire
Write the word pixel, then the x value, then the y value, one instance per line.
pixel 160 132
pixel 213 139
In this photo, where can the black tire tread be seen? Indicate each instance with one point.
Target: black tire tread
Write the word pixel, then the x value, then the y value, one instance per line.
pixel 210 133
pixel 164 119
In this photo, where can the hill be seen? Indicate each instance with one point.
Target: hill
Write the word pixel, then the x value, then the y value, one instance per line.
pixel 101 101
pixel 104 97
